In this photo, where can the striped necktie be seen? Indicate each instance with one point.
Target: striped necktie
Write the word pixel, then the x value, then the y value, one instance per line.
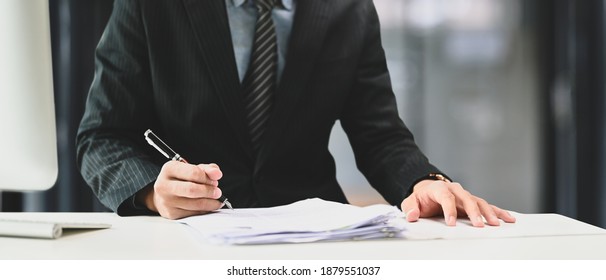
pixel 259 83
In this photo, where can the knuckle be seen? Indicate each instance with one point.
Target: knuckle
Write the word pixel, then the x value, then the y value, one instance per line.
pixel 195 173
pixel 169 189
pixel 161 187
pixel 190 189
pixel 164 171
pixel 447 195
pixel 455 186
pixel 169 166
pixel 467 193
pixel 481 201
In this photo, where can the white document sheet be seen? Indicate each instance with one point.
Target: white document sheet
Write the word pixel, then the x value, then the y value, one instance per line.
pixel 526 225
pixel 304 221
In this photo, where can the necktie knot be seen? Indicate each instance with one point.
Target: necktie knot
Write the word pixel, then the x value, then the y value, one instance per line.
pixel 265 5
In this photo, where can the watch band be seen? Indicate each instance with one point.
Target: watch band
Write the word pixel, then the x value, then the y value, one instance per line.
pixel 438 177
pixel 430 176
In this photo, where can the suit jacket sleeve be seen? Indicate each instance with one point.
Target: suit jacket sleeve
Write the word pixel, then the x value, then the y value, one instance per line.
pixel 111 150
pixel 384 148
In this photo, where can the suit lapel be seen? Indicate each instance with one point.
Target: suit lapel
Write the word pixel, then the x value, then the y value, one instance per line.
pixel 210 23
pixel 211 26
pixel 307 35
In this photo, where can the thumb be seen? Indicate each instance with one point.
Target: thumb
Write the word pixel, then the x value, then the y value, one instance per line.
pixel 410 207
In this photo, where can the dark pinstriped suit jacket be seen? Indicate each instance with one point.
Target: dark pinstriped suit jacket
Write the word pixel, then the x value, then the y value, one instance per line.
pixel 169 65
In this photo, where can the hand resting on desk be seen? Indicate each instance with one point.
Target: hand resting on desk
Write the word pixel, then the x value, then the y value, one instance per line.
pixel 431 198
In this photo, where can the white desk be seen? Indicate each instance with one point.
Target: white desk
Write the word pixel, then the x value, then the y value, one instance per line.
pixel 157 238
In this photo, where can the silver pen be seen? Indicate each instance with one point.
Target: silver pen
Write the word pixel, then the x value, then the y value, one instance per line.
pixel 169 153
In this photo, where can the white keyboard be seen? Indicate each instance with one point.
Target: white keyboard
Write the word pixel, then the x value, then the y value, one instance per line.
pixel 42 229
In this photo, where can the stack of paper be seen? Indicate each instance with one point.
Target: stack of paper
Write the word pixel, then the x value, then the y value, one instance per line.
pixel 304 221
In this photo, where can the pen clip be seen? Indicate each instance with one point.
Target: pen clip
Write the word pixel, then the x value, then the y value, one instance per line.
pixel 152 143
pixel 157 148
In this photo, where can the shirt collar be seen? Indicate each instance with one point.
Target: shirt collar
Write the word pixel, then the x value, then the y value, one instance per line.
pixel 286 4
pixel 238 3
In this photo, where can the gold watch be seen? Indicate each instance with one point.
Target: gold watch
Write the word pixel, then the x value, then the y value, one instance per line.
pixel 438 177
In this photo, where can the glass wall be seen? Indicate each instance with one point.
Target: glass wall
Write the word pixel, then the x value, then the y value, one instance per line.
pixel 464 73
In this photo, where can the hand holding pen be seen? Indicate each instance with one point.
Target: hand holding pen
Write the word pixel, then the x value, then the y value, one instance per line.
pixel 183 190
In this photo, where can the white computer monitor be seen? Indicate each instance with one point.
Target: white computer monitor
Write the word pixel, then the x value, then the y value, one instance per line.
pixel 28 141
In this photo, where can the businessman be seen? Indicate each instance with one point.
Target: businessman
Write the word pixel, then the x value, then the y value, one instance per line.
pixel 248 91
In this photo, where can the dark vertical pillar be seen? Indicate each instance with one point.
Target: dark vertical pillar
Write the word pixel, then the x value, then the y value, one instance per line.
pixel 77 27
pixel 543 13
pixel 602 172
pixel 590 109
pixel 572 50
pixel 562 92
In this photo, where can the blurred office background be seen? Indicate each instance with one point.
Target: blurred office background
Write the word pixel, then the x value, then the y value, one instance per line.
pixel 505 96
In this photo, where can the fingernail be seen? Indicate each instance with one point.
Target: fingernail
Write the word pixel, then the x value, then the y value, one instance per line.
pixel 479 221
pixel 217 192
pixel 451 220
pixel 408 212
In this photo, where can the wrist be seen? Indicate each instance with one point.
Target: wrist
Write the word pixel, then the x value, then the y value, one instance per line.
pixel 428 179
pixel 144 198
